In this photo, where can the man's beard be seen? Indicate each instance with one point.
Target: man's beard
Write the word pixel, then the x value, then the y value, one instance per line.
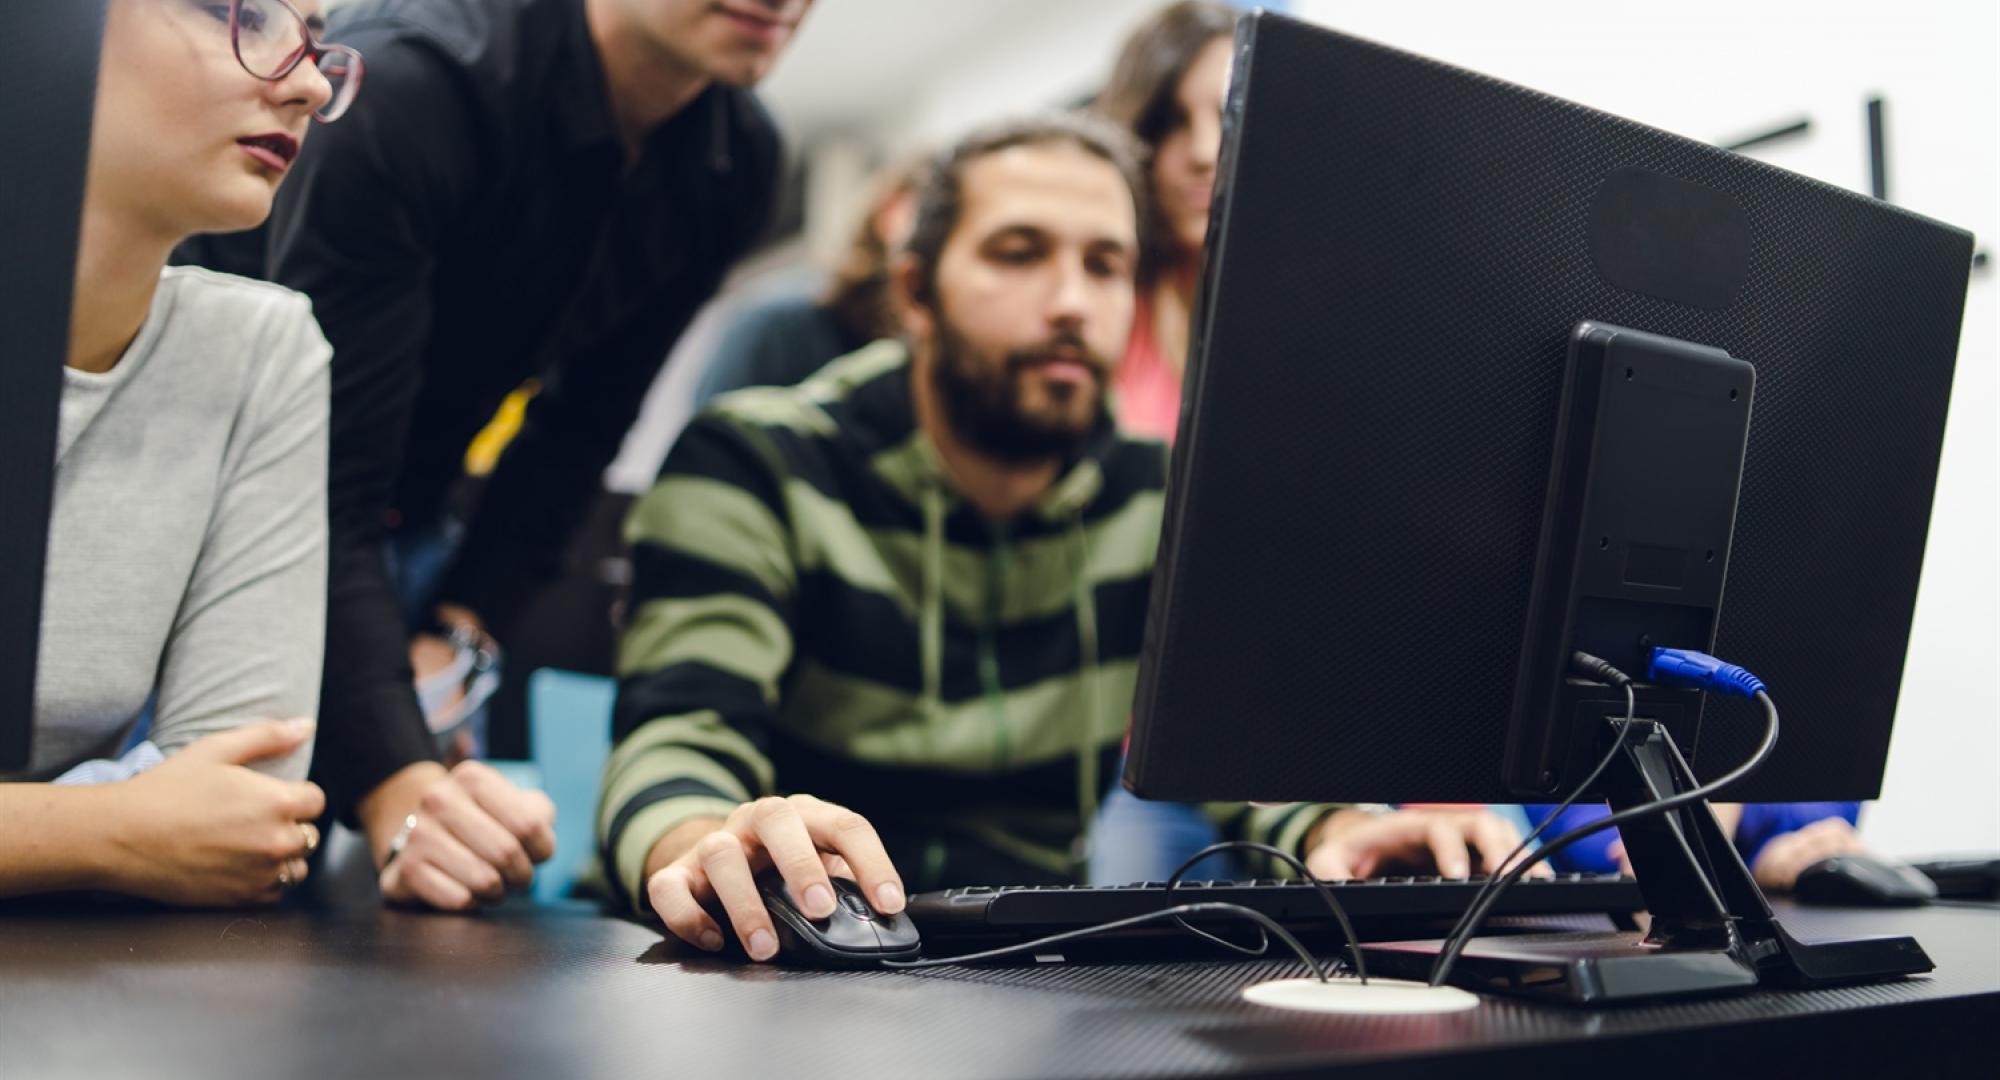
pixel 983 400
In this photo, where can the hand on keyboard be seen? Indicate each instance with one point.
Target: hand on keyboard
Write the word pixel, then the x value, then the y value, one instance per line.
pixel 1361 844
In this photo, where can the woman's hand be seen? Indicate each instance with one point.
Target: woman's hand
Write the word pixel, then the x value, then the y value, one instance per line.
pixel 203 829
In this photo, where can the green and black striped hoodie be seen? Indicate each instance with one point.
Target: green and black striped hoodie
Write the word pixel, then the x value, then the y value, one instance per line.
pixel 816 610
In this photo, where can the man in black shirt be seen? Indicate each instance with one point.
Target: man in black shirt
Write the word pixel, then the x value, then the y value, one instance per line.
pixel 540 189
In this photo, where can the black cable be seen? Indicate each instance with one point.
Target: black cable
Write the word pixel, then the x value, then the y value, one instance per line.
pixel 1495 883
pixel 1333 905
pixel 1456 943
pixel 1610 674
pixel 1265 922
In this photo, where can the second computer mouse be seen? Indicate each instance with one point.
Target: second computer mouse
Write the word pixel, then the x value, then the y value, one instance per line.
pixel 855 935
pixel 1863 881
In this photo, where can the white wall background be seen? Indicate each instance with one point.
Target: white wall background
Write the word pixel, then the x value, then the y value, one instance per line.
pixel 873 78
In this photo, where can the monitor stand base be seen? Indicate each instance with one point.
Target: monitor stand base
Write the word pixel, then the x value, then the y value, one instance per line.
pixel 1712 930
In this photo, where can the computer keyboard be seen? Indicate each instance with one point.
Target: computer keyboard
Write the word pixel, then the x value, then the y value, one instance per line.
pixel 1021 912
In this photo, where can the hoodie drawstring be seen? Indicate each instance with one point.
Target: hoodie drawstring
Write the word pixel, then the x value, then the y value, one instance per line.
pixel 930 617
pixel 930 614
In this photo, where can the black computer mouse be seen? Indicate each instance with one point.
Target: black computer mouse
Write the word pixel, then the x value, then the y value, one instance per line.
pixel 854 936
pixel 1863 881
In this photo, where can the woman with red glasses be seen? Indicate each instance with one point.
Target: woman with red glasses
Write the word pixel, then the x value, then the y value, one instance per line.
pixel 186 570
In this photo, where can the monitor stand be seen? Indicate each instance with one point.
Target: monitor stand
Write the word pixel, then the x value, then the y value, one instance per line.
pixel 1712 930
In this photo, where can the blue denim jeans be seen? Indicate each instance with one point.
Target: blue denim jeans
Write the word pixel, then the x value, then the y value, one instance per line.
pixel 1138 840
pixel 418 558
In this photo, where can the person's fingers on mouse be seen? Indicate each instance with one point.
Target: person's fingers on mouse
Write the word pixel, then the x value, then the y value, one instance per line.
pixel 1813 843
pixel 842 830
pixel 781 828
pixel 1781 873
pixel 672 893
pixel 1785 857
pixel 722 858
pixel 836 866
pixel 1772 867
pixel 1838 838
pixel 1807 838
pixel 1834 835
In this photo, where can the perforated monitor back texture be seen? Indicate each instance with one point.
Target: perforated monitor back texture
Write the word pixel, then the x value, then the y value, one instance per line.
pixel 1397 254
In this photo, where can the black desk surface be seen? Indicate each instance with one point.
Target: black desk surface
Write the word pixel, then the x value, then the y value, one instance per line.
pixel 534 992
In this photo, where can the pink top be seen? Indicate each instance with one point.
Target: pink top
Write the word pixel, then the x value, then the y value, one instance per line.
pixel 1146 392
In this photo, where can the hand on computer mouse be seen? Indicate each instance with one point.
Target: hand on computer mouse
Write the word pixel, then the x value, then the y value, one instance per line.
pixel 1778 865
pixel 716 862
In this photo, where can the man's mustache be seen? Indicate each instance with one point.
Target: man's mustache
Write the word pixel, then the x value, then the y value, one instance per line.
pixel 1060 347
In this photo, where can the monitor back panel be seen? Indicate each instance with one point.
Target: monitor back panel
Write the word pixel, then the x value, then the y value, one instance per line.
pixel 1397 253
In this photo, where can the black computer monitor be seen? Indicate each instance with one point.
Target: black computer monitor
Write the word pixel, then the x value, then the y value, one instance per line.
pixel 49 54
pixel 1400 255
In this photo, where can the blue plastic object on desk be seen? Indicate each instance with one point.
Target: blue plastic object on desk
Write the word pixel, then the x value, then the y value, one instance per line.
pixel 569 738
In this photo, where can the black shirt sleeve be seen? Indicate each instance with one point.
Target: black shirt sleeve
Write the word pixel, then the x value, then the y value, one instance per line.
pixel 355 228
